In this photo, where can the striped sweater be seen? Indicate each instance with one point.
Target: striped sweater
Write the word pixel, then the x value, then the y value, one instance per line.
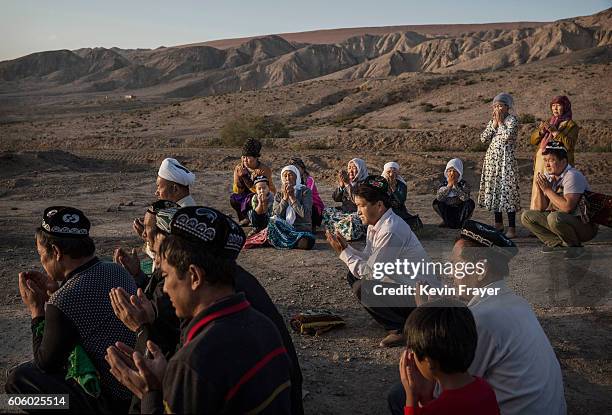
pixel 233 361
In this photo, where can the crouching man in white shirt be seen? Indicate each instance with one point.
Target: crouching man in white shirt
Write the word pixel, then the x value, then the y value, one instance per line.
pixel 389 241
pixel 513 353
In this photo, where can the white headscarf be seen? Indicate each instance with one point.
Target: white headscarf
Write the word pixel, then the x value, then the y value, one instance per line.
pixel 362 170
pixel 396 166
pixel 456 164
pixel 290 214
pixel 174 171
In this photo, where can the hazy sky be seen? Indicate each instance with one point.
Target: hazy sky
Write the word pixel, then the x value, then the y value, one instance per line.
pixel 28 26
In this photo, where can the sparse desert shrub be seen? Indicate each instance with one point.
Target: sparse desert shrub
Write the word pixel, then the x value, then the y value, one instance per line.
pixel 426 106
pixel 470 82
pixel 236 131
pixel 404 125
pixel 439 109
pixel 527 119
pixel 344 119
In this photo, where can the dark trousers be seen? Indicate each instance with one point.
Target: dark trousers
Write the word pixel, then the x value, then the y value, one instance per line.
pixel 454 215
pixel 396 399
pixel 317 219
pixel 391 318
pixel 27 378
pixel 257 221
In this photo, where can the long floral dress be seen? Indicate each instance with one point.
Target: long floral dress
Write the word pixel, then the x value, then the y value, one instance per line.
pixel 499 182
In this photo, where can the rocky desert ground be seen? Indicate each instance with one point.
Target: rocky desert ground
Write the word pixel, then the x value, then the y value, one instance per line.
pixel 67 143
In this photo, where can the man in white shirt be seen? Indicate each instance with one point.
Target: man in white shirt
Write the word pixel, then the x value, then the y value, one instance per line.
pixel 513 353
pixel 389 240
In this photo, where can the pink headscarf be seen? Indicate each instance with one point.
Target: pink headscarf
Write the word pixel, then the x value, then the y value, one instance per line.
pixel 556 121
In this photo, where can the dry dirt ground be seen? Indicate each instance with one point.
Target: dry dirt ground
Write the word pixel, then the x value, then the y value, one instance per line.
pixel 102 157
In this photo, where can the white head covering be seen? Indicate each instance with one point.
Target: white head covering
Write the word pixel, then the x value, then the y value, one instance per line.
pixel 290 214
pixel 362 170
pixel 456 164
pixel 174 171
pixel 396 166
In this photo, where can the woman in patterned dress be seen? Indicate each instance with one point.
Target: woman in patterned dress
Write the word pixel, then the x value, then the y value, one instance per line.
pixel 499 182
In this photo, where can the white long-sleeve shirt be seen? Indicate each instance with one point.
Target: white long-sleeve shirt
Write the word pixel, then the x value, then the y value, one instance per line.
pixel 514 355
pixel 386 242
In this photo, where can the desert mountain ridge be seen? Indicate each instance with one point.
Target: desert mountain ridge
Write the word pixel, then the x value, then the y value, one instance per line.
pixel 276 60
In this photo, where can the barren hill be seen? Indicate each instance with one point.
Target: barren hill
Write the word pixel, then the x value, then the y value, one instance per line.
pixel 270 61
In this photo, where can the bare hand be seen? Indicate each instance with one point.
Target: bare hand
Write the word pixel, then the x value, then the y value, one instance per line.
pixel 34 289
pixel 133 311
pixel 138 374
pixel 543 182
pixel 342 178
pixel 130 262
pixel 336 241
pixel 417 387
pixel 138 226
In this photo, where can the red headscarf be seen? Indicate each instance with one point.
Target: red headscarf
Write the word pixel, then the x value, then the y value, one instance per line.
pixel 557 120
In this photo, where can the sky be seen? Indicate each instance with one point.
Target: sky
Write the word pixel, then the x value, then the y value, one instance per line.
pixel 28 26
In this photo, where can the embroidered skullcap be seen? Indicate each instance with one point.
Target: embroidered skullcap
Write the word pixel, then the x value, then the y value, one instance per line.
pixel 252 148
pixel 554 146
pixel 489 237
pixel 174 171
pixel 377 182
pixel 210 229
pixel 163 217
pixel 161 204
pixel 64 221
pixel 260 179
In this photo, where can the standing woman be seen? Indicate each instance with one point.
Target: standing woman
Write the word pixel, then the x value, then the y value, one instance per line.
pixel 560 127
pixel 243 187
pixel 317 204
pixel 499 182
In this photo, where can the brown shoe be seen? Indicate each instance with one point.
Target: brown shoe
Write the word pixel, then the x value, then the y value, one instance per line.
pixel 394 339
pixel 511 233
pixel 245 222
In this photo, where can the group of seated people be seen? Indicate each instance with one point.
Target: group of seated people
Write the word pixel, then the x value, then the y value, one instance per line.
pixel 188 330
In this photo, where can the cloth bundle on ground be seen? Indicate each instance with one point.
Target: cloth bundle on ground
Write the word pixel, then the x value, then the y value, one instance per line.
pixel 315 322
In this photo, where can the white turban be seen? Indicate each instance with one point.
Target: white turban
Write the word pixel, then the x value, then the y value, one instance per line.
pixel 174 171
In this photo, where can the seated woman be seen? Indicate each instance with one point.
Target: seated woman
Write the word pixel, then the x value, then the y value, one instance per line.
pixel 453 202
pixel 290 225
pixel 345 219
pixel 398 190
pixel 243 187
pixel 261 204
pixel 561 128
pixel 317 203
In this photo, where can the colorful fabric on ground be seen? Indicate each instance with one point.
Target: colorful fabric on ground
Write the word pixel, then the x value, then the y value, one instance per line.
pixel 282 235
pixel 347 224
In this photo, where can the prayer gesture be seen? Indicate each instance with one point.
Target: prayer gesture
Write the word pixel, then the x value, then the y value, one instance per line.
pixel 138 227
pixel 262 200
pixel 543 182
pixel 133 311
pixel 289 192
pixel 453 178
pixel 342 178
pixel 134 371
pixel 418 388
pixel 35 289
pixel 498 118
pixel 130 262
pixel 337 241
